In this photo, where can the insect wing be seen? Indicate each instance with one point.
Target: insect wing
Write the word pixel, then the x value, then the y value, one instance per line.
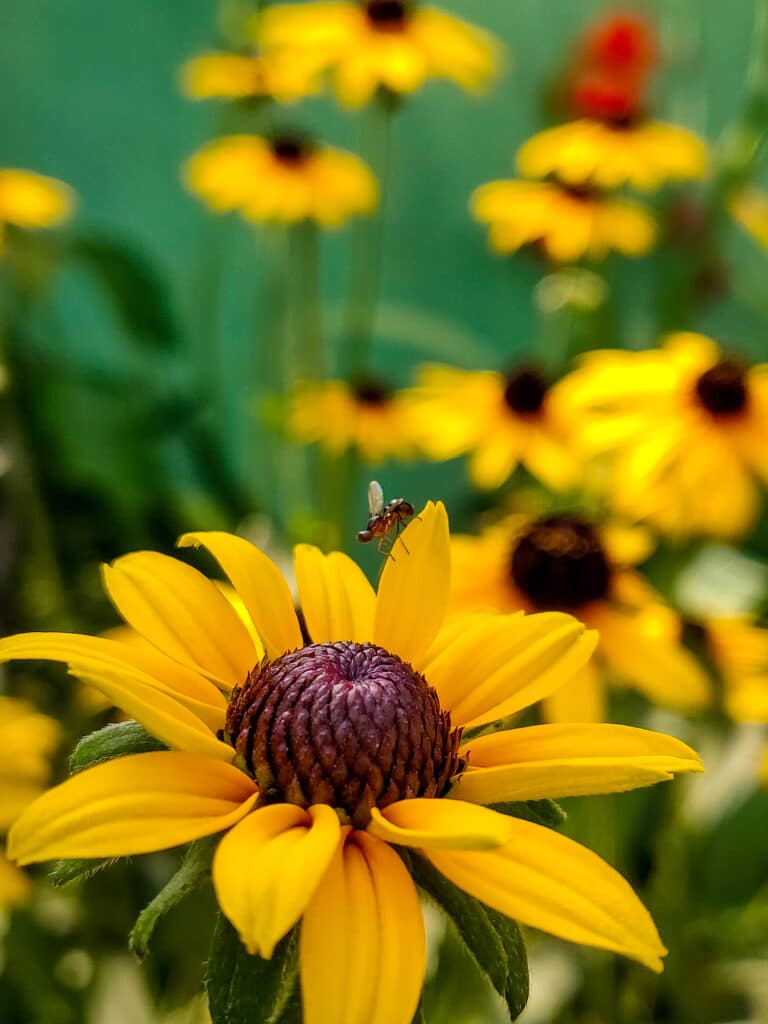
pixel 375 498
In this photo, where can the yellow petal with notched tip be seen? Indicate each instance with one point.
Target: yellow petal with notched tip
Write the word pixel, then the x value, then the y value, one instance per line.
pixel 267 868
pixel 260 585
pixel 413 592
pixel 135 804
pixel 542 879
pixel 363 950
pixel 181 613
pixel 568 760
pixel 440 825
pixel 502 663
pixel 337 601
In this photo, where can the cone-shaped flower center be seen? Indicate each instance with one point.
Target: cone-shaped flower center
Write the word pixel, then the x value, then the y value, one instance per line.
pixel 371 390
pixel 722 390
pixel 386 13
pixel 344 724
pixel 525 391
pixel 290 149
pixel 559 563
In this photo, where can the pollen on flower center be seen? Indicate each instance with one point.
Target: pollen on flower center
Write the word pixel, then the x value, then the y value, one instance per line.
pixel 525 391
pixel 722 390
pixel 289 149
pixel 371 390
pixel 385 13
pixel 559 563
pixel 344 724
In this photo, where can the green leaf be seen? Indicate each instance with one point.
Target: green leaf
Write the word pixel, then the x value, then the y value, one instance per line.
pixel 64 872
pixel 493 940
pixel 112 741
pixel 195 869
pixel 137 291
pixel 245 989
pixel 540 812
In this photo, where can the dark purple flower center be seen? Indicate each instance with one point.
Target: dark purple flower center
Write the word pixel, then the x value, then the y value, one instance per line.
pixel 344 724
pixel 722 390
pixel 386 13
pixel 371 390
pixel 525 391
pixel 559 563
pixel 290 149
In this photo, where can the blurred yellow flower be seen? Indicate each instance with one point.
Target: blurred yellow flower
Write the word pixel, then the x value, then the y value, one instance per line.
pixel 27 740
pixel 284 179
pixel 379 43
pixel 569 222
pixel 686 428
pixel 567 562
pixel 749 207
pixel 364 415
pixel 501 420
pixel 236 76
pixel 643 154
pixel 29 200
pixel 315 756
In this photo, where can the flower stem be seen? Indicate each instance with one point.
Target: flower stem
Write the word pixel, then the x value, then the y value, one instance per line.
pixel 366 244
pixel 306 356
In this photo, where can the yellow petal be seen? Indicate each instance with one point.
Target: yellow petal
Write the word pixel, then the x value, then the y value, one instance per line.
pixel 568 760
pixel 14 884
pixel 413 592
pixel 181 613
pixel 440 825
pixel 500 664
pixel 259 583
pixel 337 600
pixel 363 951
pixel 547 881
pixel 132 805
pixel 581 699
pixel 267 868
pixel 116 669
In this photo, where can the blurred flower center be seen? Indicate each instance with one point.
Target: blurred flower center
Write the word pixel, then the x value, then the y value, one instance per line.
pixel 371 390
pixel 389 13
pixel 344 724
pixel 560 563
pixel 722 390
pixel 290 149
pixel 525 391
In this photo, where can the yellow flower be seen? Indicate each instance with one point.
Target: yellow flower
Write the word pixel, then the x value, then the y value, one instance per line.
pixel 284 179
pixel 644 154
pixel 27 740
pixel 687 428
pixel 380 43
pixel 569 222
pixel 566 562
pixel 235 76
pixel 325 752
pixel 749 208
pixel 500 420
pixel 30 200
pixel 365 415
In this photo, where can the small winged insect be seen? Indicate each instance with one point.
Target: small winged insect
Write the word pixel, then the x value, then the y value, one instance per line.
pixel 384 518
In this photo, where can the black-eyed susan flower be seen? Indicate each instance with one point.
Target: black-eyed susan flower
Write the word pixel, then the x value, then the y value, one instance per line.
pixel 500 420
pixel 364 415
pixel 739 648
pixel 687 429
pixel 568 222
pixel 567 562
pixel 394 44
pixel 749 208
pixel 607 154
pixel 235 76
pixel 27 740
pixel 284 179
pixel 318 747
pixel 29 200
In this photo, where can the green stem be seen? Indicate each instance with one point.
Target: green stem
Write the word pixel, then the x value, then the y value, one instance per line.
pixel 366 245
pixel 306 357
